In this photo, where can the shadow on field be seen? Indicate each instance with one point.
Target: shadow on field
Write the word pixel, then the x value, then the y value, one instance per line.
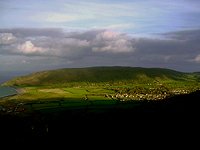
pixel 78 124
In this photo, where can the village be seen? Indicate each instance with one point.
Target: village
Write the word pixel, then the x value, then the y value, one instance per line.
pixel 152 94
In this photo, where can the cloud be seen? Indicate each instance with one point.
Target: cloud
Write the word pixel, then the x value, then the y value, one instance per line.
pixel 102 47
pixel 33 32
pixel 180 43
pixel 185 35
pixel 29 48
pixel 69 45
pixel 7 38
pixel 67 48
pixel 197 58
pixel 109 41
pixel 55 42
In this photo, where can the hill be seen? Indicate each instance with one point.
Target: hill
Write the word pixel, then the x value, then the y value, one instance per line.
pixel 99 75
pixel 43 113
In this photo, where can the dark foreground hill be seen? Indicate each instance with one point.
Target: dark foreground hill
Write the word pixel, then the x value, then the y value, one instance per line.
pixel 100 74
pixel 174 113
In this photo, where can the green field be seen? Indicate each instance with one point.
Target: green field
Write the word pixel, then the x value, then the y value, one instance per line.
pixel 100 87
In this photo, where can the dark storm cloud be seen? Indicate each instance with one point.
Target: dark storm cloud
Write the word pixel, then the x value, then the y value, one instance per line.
pixel 188 35
pixel 174 46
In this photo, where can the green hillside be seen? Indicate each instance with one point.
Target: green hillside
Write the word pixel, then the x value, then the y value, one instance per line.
pixel 100 74
pixel 96 88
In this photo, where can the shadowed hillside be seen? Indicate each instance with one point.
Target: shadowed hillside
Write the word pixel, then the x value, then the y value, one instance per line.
pixel 43 128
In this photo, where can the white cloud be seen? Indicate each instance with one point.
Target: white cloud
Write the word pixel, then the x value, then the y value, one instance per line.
pixel 50 47
pixel 7 38
pixel 109 41
pixel 197 58
pixel 107 35
pixel 29 48
pixel 72 45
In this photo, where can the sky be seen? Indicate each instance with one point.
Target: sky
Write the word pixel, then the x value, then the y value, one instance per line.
pixel 48 34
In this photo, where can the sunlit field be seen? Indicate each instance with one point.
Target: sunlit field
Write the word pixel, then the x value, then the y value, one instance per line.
pixel 85 95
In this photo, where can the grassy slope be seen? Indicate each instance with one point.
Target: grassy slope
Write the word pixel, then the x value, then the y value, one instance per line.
pixel 98 75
